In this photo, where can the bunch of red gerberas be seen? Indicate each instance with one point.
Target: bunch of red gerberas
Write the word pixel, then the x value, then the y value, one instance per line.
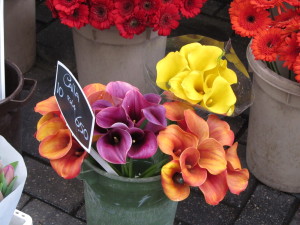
pixel 274 26
pixel 129 16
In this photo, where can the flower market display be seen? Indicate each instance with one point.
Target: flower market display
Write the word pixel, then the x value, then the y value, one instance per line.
pixel 131 17
pixel 274 27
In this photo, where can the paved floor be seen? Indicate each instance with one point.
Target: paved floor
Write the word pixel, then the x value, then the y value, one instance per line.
pixel 49 199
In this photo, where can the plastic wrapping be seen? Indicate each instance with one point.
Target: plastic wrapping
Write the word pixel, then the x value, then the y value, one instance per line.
pixel 110 199
pixel 242 88
pixel 8 205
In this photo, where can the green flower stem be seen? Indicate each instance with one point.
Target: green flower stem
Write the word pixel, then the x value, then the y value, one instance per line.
pixel 152 170
pixel 130 167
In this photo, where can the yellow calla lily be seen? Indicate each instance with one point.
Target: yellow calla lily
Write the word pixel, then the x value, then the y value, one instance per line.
pixel 221 98
pixel 176 87
pixel 168 67
pixel 193 86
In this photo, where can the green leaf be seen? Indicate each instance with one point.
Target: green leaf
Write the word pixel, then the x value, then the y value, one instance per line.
pixel 10 187
pixel 3 182
pixel 14 164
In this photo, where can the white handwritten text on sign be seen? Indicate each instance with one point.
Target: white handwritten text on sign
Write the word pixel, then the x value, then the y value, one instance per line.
pixel 74 106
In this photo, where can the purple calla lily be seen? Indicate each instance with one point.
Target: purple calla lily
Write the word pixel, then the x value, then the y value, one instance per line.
pixel 111 115
pixel 114 146
pixel 153 98
pixel 119 88
pixel 144 144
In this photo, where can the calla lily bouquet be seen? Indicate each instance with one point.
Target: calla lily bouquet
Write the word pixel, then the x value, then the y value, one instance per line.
pixel 132 128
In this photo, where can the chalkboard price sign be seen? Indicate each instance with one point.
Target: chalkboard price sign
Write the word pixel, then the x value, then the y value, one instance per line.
pixel 74 106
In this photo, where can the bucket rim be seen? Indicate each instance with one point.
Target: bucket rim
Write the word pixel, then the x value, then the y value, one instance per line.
pixel 18 89
pixel 269 76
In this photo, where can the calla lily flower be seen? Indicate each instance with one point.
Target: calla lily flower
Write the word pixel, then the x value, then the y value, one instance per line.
pixel 111 115
pixel 69 165
pixel 233 178
pixel 46 106
pixel 119 89
pixel 172 182
pixel 192 173
pixel 57 145
pixel 144 144
pixel 173 141
pixel 114 145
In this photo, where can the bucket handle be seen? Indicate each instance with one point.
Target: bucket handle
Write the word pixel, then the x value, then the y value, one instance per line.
pixel 29 85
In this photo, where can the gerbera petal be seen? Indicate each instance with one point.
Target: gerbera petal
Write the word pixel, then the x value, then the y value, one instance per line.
pixel 173 141
pixel 191 171
pixel 173 185
pixel 69 165
pixel 214 188
pixel 220 130
pixel 114 146
pixel 50 127
pixel 46 106
pixel 168 67
pixel 212 156
pixel 196 125
pixel 56 146
pixel 237 180
pixel 144 144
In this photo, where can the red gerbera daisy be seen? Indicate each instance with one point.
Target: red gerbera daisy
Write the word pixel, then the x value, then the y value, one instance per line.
pixel 174 2
pixel 49 4
pixel 149 7
pixel 293 2
pixel 190 8
pixel 77 19
pixel 285 19
pixel 101 14
pixel 266 4
pixel 265 44
pixel 246 20
pixel 67 6
pixel 131 25
pixel 124 7
pixel 167 19
pixel 289 51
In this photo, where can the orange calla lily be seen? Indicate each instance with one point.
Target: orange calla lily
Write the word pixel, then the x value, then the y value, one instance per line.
pixel 50 127
pixel 45 118
pixel 173 185
pixel 212 156
pixel 56 146
pixel 214 188
pixel 69 165
pixel 192 173
pixel 196 125
pixel 237 178
pixel 173 141
pixel 46 106
pixel 220 130
pixel 93 88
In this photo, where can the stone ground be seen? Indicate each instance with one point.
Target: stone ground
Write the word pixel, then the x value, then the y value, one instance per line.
pixel 49 199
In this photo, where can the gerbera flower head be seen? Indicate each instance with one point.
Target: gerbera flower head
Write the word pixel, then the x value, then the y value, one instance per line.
pixel 266 4
pixel 289 51
pixel 265 44
pixel 124 7
pixel 149 7
pixel 49 4
pixel 190 8
pixel 67 6
pixel 101 16
pixel 167 19
pixel 78 18
pixel 131 25
pixel 288 18
pixel 246 20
